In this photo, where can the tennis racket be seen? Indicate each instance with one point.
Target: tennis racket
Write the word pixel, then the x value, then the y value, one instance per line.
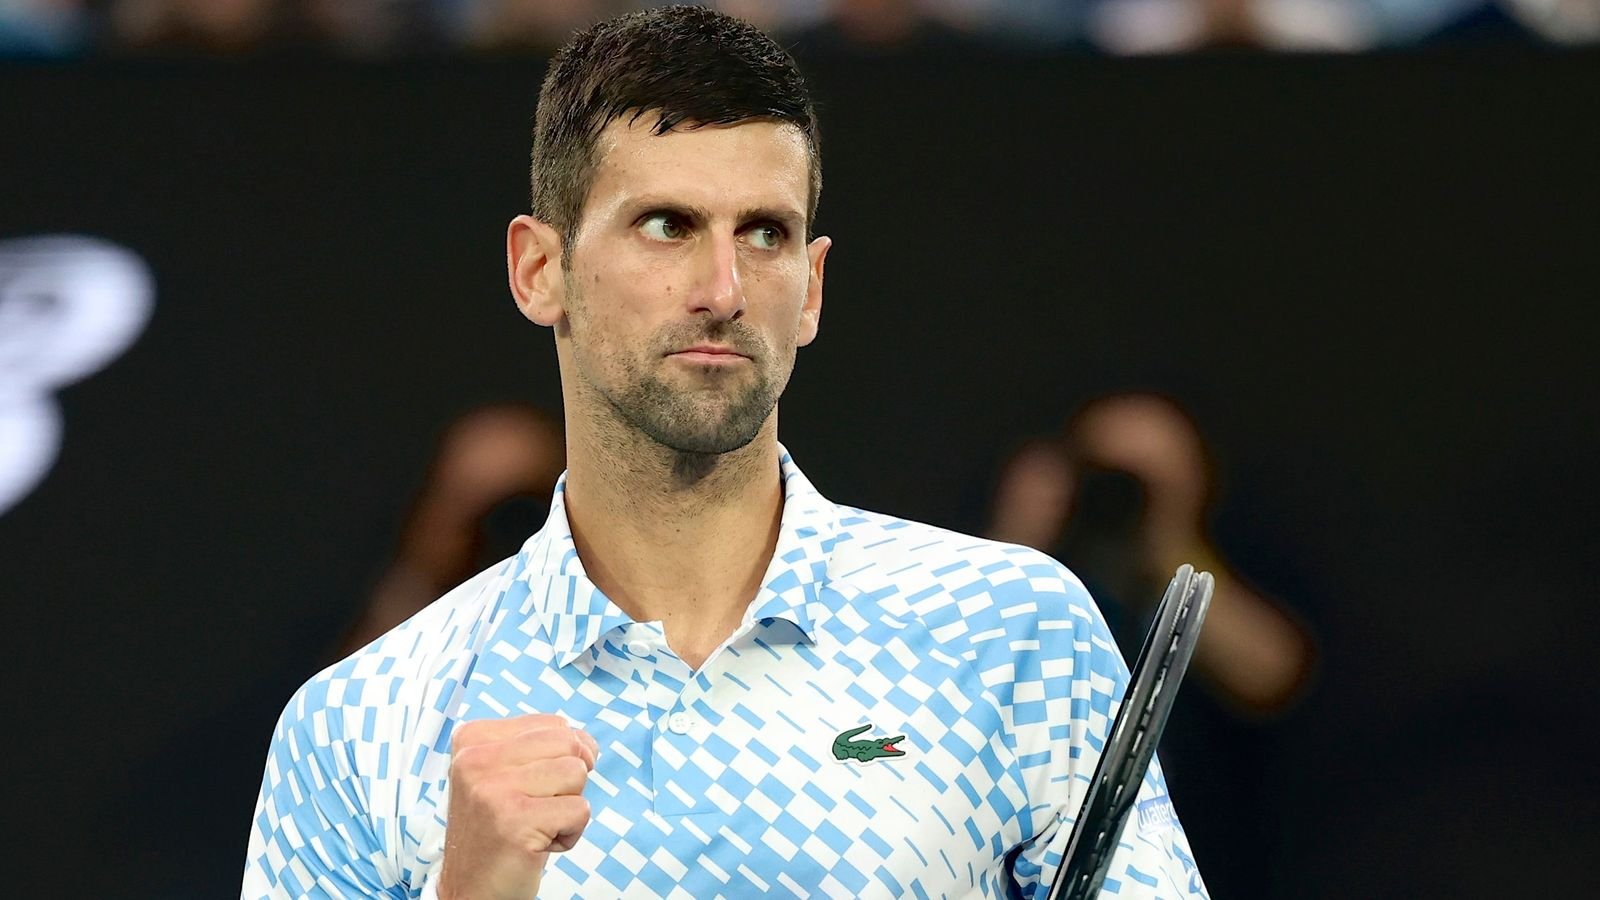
pixel 1134 734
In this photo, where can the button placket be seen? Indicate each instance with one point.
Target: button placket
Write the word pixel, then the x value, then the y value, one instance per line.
pixel 679 735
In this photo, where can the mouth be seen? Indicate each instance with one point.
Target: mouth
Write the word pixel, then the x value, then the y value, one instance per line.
pixel 709 355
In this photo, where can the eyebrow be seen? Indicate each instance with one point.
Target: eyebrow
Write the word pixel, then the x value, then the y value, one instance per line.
pixel 792 219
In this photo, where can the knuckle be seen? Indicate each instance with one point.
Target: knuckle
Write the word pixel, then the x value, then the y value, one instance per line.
pixel 465 759
pixel 542 721
pixel 570 808
pixel 537 732
pixel 468 734
pixel 571 770
pixel 581 811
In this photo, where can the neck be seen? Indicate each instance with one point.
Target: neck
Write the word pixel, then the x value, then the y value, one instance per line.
pixel 679 538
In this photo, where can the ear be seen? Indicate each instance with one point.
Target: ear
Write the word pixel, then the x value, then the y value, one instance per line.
pixel 533 265
pixel 811 310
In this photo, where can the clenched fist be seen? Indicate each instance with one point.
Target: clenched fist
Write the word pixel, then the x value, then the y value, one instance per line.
pixel 516 796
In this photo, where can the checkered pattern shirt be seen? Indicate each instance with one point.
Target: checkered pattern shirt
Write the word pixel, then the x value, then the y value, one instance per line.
pixel 904 712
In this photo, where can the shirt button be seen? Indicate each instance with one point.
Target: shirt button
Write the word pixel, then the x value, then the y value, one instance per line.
pixel 680 723
pixel 639 648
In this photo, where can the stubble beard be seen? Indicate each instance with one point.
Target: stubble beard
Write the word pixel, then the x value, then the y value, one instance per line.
pixel 724 413
pixel 709 421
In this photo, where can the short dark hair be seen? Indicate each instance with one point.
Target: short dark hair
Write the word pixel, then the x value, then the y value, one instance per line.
pixel 688 65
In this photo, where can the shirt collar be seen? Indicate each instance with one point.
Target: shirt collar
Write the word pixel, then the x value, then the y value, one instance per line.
pixel 574 615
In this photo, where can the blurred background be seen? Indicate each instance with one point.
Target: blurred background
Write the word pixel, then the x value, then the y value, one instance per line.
pixel 374 29
pixel 1301 290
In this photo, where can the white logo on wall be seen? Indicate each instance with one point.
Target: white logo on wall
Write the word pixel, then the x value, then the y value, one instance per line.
pixel 69 305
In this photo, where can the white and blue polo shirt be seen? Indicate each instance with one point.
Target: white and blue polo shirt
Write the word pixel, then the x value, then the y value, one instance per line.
pixel 904 712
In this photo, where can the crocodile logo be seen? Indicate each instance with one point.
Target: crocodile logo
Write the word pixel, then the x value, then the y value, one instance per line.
pixel 846 747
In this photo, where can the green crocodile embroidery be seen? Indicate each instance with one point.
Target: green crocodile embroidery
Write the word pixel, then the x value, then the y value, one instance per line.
pixel 871 748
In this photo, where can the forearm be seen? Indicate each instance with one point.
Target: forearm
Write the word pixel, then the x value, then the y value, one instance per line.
pixel 1253 651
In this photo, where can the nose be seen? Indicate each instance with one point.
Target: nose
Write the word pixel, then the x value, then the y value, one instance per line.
pixel 718 288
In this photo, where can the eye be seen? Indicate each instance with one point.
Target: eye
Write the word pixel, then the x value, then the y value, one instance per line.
pixel 662 227
pixel 766 237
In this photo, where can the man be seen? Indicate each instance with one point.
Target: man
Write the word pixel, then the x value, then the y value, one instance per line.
pixel 701 678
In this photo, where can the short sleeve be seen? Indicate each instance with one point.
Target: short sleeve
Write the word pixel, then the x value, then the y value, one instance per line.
pixel 312 834
pixel 1152 861
pixel 1063 705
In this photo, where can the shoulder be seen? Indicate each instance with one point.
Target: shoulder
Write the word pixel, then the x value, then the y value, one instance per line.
pixel 356 745
pixel 1008 620
pixel 965 588
pixel 880 549
pixel 385 692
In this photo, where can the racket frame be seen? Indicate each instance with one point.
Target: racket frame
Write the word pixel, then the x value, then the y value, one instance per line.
pixel 1135 732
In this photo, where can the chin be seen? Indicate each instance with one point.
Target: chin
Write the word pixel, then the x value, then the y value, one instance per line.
pixel 707 443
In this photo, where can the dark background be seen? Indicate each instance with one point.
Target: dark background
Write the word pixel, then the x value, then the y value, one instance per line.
pixel 1373 280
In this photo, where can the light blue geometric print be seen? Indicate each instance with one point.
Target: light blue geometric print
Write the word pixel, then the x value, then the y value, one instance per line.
pixel 990 660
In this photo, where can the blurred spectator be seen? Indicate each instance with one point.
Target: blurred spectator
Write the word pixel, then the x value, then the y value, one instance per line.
pixel 778 16
pixel 498 25
pixel 880 23
pixel 1123 502
pixel 1172 26
pixel 367 28
pixel 893 24
pixel 1121 498
pixel 487 490
pixel 378 28
pixel 218 27
pixel 1564 21
pixel 44 28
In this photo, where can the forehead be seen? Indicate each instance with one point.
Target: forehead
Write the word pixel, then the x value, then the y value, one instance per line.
pixel 752 164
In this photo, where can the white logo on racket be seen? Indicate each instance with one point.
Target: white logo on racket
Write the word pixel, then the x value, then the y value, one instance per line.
pixel 1156 814
pixel 69 305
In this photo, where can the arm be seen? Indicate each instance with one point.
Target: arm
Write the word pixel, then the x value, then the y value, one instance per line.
pixel 1082 680
pixel 1253 651
pixel 312 834
pixel 1153 859
pixel 1032 497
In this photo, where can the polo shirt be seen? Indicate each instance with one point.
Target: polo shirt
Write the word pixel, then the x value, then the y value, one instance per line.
pixel 904 711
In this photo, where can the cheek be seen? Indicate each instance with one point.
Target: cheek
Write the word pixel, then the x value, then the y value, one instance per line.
pixel 612 322
pixel 780 290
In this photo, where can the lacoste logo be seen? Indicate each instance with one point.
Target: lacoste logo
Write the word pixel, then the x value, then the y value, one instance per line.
pixel 845 747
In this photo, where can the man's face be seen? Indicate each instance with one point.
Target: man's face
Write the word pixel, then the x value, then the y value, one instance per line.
pixel 689 283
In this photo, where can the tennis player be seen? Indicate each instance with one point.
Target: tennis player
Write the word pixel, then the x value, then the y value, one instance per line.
pixel 701 678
